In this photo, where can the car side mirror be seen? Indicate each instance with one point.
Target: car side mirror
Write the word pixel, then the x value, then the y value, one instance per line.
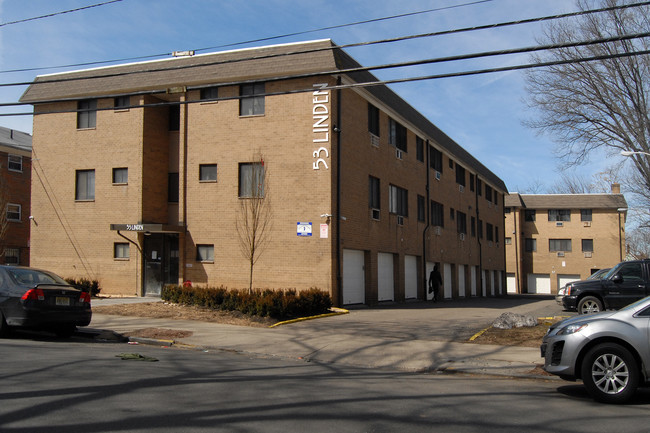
pixel 618 278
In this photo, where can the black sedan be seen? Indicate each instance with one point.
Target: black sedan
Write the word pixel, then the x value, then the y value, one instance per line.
pixel 33 298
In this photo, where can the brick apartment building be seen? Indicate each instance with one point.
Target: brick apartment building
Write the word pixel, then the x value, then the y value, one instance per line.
pixel 552 239
pixel 145 167
pixel 15 183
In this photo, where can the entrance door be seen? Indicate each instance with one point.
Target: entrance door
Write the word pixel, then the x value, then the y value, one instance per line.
pixel 160 262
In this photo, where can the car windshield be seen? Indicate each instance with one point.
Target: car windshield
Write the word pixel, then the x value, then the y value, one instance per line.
pixel 612 271
pixel 33 276
pixel 598 274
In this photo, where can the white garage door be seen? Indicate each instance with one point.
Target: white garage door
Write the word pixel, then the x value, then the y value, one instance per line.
pixel 354 281
pixel 410 277
pixel 385 279
pixel 472 279
pixel 511 282
pixel 446 280
pixel 461 281
pixel 539 283
pixel 564 279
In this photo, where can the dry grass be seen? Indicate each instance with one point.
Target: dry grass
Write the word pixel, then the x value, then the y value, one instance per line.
pixel 526 336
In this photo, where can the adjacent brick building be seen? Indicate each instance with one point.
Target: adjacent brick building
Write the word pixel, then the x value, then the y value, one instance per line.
pixel 15 183
pixel 552 239
pixel 145 167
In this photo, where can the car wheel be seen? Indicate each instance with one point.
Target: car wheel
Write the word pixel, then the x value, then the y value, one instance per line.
pixel 4 328
pixel 589 305
pixel 610 373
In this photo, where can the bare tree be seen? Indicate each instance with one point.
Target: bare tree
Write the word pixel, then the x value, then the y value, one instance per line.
pixel 600 104
pixel 254 217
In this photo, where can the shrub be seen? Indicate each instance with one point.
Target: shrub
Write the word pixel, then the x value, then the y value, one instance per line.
pixel 85 285
pixel 277 304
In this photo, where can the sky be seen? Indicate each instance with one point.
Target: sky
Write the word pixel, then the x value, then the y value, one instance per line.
pixel 482 113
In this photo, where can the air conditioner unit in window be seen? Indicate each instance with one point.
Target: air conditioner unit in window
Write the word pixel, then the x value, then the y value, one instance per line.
pixel 461 188
pixel 560 253
pixel 586 223
pixel 462 236
pixel 438 175
pixel 437 230
pixel 400 220
pixel 374 140
pixel 588 254
pixel 559 224
pixel 398 154
pixel 374 214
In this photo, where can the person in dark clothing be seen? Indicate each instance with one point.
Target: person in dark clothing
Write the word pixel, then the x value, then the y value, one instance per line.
pixel 435 281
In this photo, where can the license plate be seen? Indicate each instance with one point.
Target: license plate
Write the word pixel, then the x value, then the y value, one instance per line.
pixel 62 302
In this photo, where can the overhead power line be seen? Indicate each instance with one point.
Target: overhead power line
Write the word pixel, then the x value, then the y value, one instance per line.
pixel 58 13
pixel 359 44
pixel 286 35
pixel 362 68
pixel 371 83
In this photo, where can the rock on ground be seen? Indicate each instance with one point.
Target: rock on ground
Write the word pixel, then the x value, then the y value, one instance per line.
pixel 513 320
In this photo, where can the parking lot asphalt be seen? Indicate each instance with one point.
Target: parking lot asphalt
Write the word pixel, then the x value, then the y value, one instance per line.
pixel 412 336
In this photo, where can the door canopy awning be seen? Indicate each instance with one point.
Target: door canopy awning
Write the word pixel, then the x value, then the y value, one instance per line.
pixel 147 228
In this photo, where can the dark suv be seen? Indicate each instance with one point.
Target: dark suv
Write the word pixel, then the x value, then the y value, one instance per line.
pixel 625 283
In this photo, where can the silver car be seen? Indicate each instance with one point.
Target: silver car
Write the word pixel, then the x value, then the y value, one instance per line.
pixel 609 351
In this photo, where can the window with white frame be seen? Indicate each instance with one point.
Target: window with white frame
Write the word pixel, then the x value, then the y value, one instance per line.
pixel 15 163
pixel 559 245
pixel 121 102
pixel 208 93
pixel 121 250
pixel 120 176
pixel 13 212
pixel 87 114
pixel 397 135
pixel 85 187
pixel 208 172
pixel 252 99
pixel 205 253
pixel 398 200
pixel 251 180
pixel 559 214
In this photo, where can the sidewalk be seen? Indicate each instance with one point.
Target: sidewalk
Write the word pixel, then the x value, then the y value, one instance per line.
pixel 410 337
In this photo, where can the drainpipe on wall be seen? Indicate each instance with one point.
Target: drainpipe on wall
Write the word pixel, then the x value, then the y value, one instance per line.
pixel 337 131
pixel 480 245
pixel 426 229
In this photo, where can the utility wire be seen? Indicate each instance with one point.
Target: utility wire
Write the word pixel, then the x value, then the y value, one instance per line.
pixel 359 44
pixel 58 13
pixel 412 63
pixel 152 56
pixel 444 32
pixel 370 83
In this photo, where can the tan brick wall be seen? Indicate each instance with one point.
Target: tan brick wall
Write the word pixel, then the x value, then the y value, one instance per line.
pixel 606 230
pixel 74 238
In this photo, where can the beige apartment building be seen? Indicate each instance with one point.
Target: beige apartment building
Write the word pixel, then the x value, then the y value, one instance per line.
pixel 145 167
pixel 552 239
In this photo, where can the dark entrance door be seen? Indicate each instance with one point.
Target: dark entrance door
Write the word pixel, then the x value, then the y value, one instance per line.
pixel 160 262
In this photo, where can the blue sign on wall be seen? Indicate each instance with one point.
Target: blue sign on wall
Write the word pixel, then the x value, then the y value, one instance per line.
pixel 304 229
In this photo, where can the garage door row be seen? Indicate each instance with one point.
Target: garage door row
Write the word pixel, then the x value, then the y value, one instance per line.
pixel 539 283
pixel 354 278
